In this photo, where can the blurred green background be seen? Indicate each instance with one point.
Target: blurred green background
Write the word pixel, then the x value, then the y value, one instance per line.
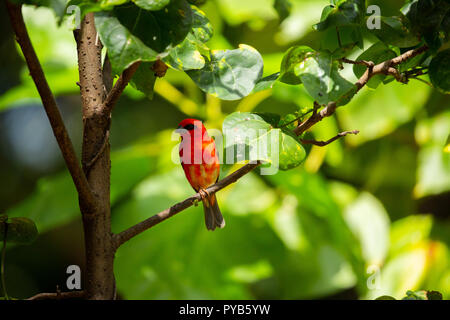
pixel 365 216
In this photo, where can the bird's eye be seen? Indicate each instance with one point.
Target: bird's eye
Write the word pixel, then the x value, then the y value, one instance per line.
pixel 189 126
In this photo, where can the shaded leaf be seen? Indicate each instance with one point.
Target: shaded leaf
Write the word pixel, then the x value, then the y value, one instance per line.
pixel 144 79
pixel 345 12
pixel 283 8
pixel 341 40
pixel 18 230
pixel 439 71
pixel 385 298
pixel 394 32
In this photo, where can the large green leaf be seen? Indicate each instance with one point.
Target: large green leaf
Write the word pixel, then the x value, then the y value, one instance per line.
pixel 440 71
pixel 319 74
pixel 131 33
pixel 259 140
pixel 377 53
pixel 188 55
pixel 230 74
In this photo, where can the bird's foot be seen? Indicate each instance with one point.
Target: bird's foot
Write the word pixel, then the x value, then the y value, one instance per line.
pixel 203 193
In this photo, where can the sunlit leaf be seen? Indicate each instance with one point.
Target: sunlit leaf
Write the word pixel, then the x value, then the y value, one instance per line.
pixel 250 133
pixel 230 74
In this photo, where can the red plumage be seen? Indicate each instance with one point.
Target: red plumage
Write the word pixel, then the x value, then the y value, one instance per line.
pixel 201 166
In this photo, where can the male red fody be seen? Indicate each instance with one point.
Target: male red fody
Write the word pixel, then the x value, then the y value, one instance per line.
pixel 201 166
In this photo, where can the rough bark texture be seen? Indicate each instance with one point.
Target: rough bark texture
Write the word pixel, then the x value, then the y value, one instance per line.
pixel 99 276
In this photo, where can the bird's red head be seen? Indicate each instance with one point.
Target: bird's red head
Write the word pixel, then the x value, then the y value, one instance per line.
pixel 192 125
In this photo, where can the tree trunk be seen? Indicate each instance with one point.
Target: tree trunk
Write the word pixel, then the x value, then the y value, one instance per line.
pixel 98 276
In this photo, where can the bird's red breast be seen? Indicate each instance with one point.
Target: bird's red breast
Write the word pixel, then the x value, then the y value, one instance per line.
pixel 198 154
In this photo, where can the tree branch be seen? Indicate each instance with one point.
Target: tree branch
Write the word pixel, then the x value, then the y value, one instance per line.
pixel 58 295
pixel 133 231
pixel 386 67
pixel 119 86
pixel 324 143
pixel 86 196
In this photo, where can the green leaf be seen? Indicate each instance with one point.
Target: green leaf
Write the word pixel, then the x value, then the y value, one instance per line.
pixel 439 71
pixel 369 222
pixel 188 55
pixel 19 230
pixel 266 82
pixel 230 74
pixel 340 41
pixel 294 56
pixel 131 33
pixel 152 5
pixel 259 140
pixel 394 32
pixel 319 74
pixel 429 19
pixel 349 12
pixel 144 79
pixel 202 29
pixel 283 8
pixel 377 53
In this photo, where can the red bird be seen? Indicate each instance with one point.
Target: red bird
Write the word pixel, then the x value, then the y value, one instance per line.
pixel 201 166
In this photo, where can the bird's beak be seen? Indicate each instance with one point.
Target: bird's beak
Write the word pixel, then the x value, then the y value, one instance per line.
pixel 180 130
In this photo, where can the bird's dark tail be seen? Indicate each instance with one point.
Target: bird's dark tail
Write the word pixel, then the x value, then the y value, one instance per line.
pixel 213 216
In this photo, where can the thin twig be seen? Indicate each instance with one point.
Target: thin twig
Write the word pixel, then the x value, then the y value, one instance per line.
pixel 87 198
pixel 133 231
pixel 58 295
pixel 361 62
pixel 324 143
pixel 119 86
pixel 386 67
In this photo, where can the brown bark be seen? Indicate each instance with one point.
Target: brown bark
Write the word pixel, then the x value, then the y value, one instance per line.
pixel 99 276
